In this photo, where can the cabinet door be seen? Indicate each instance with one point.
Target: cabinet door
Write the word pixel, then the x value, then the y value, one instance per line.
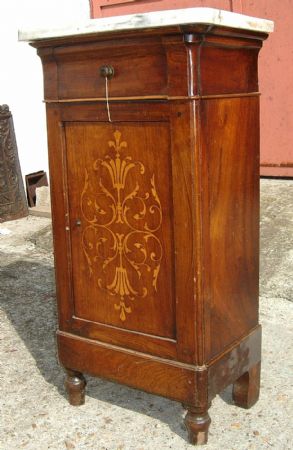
pixel 120 196
pixel 123 225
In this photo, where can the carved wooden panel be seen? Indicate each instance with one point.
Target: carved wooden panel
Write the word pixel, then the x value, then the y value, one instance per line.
pixel 119 196
pixel 13 204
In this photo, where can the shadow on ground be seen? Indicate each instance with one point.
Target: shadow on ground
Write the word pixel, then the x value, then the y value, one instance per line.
pixel 28 299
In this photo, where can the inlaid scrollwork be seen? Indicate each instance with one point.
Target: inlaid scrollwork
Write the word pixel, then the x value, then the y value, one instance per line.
pixel 121 222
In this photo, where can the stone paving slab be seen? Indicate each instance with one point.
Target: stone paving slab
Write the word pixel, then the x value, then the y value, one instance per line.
pixel 276 261
pixel 34 413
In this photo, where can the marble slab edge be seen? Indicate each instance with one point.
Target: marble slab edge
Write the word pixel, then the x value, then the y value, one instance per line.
pixel 177 17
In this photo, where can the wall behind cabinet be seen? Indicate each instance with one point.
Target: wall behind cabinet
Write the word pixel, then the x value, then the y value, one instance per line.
pixel 275 68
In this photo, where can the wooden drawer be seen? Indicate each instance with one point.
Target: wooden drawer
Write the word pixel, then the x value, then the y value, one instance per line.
pixel 152 68
pixel 137 72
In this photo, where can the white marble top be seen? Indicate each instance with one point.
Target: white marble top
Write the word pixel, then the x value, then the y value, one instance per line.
pixel 177 17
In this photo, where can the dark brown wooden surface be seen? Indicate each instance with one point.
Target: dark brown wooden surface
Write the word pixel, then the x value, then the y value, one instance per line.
pixel 75 386
pixel 240 358
pixel 79 76
pixel 182 344
pixel 155 214
pixel 246 388
pixel 154 65
pixel 113 285
pixel 117 364
pixel 229 140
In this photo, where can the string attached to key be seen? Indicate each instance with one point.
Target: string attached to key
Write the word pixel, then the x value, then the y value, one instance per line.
pixel 107 99
pixel 107 72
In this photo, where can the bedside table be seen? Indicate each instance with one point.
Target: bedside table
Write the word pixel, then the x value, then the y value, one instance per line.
pixel 153 132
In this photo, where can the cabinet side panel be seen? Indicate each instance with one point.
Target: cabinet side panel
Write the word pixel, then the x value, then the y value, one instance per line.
pixel 230 145
pixel 240 77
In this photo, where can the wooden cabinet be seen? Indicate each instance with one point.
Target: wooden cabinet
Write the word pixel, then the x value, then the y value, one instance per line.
pixel 155 210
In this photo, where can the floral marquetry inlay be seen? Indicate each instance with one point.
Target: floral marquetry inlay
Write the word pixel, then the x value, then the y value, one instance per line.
pixel 122 214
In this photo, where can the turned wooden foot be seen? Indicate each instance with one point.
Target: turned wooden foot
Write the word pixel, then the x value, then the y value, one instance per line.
pixel 75 386
pixel 197 424
pixel 246 388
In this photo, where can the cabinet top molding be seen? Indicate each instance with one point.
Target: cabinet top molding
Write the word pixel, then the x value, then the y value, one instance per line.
pixel 159 19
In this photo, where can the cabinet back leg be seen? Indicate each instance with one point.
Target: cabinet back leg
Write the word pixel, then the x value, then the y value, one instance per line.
pixel 246 388
pixel 75 387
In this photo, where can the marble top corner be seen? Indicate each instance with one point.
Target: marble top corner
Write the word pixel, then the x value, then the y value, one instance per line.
pixel 178 17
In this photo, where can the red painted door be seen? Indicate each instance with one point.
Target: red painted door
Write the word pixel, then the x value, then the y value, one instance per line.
pixel 106 8
pixel 275 68
pixel 275 80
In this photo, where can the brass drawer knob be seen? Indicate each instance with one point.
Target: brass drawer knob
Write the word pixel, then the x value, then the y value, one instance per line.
pixel 107 71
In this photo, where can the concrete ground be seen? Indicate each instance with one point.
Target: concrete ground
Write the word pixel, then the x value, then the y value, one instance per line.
pixel 34 411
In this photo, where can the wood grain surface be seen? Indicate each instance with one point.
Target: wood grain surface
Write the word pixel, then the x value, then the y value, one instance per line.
pixel 155 201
